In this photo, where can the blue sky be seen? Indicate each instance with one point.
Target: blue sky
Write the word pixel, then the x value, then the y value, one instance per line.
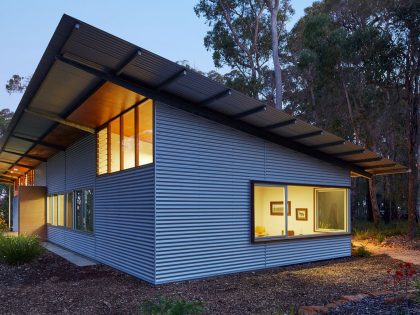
pixel 171 30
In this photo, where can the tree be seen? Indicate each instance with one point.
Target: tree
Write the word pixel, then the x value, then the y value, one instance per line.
pixel 241 39
pixel 17 84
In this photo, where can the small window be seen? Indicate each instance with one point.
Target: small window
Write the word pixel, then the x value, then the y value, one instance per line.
pixel 50 210
pixel 60 210
pixel 128 140
pixel 69 210
pixel 330 210
pixel 83 209
pixel 145 133
pixel 114 161
pixel 102 151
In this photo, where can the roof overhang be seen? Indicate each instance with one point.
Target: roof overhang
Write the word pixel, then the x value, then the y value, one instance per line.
pixel 87 77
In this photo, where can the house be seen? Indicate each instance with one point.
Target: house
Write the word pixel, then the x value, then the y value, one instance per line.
pixel 134 161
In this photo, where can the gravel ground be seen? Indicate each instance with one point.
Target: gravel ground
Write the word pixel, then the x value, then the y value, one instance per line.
pixel 51 285
pixel 376 306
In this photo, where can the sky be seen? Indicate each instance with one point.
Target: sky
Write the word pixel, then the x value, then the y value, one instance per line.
pixel 171 30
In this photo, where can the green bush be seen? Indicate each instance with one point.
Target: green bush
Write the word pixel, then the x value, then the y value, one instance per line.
pixel 362 252
pixel 171 307
pixel 16 250
pixel 3 225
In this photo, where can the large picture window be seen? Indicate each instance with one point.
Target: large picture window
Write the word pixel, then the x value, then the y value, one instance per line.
pixel 282 211
pixel 127 141
pixel 73 210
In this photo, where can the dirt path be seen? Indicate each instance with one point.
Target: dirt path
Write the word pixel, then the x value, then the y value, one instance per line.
pixel 406 255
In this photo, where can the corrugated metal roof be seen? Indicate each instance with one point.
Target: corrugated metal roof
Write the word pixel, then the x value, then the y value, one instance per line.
pixel 57 86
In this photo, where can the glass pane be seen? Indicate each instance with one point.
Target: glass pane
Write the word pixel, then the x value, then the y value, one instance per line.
pixel 60 210
pixel 102 151
pixel 301 201
pixel 331 209
pixel 129 151
pixel 50 209
pixel 88 209
pixel 145 133
pixel 269 211
pixel 114 129
pixel 69 210
pixel 55 211
pixel 78 208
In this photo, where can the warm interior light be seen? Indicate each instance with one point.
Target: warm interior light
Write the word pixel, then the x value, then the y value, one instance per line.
pixel 15 169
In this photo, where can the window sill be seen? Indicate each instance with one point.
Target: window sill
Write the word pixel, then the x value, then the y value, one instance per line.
pixel 87 233
pixel 274 239
pixel 126 170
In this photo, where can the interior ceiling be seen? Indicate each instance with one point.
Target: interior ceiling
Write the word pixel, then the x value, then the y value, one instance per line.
pixel 85 77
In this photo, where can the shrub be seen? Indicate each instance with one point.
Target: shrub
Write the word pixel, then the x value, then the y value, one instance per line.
pixel 16 250
pixel 171 307
pixel 380 237
pixel 3 225
pixel 402 278
pixel 362 252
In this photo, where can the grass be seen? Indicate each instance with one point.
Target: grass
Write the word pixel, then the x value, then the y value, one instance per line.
pixel 361 251
pixel 171 307
pixel 363 230
pixel 17 250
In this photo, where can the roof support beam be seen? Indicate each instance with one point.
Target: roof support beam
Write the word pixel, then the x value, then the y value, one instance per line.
pixel 43 143
pixel 33 157
pixel 250 112
pixel 306 135
pixel 59 120
pixel 129 60
pixel 208 113
pixel 349 153
pixel 17 164
pixel 215 97
pixel 329 144
pixel 171 79
pixel 394 171
pixel 379 166
pixel 368 160
pixel 281 124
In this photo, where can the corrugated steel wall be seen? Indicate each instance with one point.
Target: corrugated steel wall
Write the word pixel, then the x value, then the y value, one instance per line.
pixel 203 173
pixel 41 175
pixel 123 212
pixel 124 221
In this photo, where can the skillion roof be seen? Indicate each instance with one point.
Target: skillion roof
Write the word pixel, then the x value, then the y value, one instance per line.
pixel 86 72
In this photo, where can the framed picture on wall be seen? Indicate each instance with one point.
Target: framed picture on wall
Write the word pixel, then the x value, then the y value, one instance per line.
pixel 301 214
pixel 277 208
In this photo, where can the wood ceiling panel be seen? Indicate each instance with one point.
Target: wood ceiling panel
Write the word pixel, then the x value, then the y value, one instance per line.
pixel 106 103
pixel 64 135
pixel 42 151
pixel 28 161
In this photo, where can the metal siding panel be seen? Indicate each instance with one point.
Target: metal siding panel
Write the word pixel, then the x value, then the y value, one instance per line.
pixel 41 175
pixel 79 242
pixel 123 211
pixel 203 172
pixel 124 221
pixel 81 163
pixel 56 173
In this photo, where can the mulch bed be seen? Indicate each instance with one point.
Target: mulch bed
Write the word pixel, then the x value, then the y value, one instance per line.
pixel 51 285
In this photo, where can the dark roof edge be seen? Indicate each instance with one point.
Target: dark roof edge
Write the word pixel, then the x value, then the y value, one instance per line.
pixel 57 41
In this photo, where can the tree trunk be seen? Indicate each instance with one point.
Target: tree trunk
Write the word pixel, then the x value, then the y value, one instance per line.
pixel 374 202
pixel 274 11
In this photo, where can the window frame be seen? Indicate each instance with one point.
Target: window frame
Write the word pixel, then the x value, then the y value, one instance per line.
pixel 275 239
pixel 137 149
pixel 66 193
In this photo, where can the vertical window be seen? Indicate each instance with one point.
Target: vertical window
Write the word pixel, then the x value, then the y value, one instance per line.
pixel 128 139
pixel 331 209
pixel 69 210
pixel 269 210
pixel 145 133
pixel 83 208
pixel 114 160
pixel 102 154
pixel 55 209
pixel 60 210
pixel 50 209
